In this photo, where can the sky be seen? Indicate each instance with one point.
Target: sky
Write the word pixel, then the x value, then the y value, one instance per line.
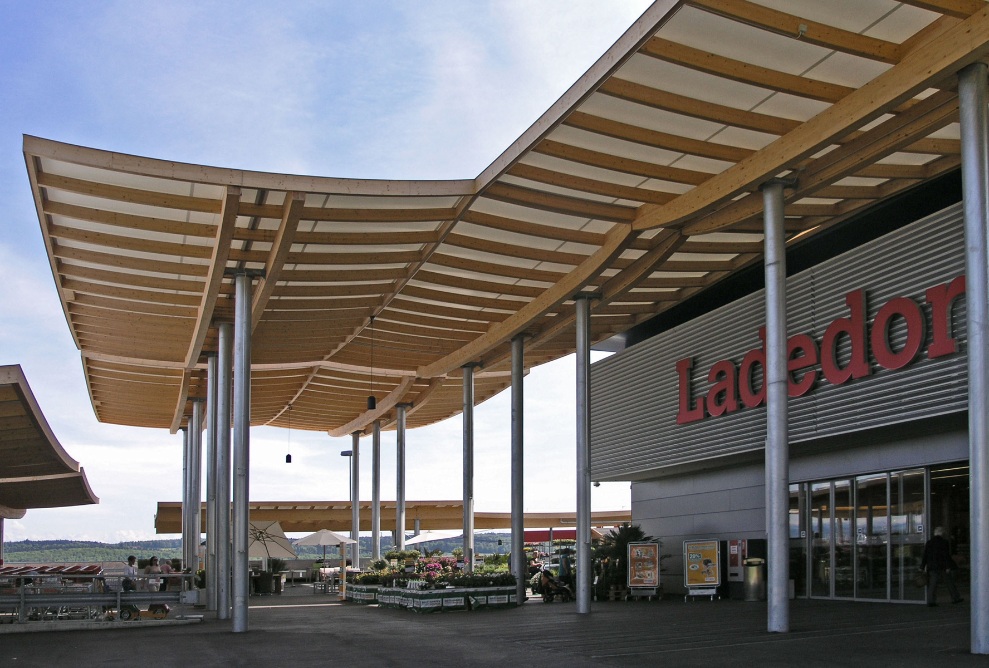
pixel 371 89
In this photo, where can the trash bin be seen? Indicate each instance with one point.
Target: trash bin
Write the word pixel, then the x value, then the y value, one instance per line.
pixel 755 583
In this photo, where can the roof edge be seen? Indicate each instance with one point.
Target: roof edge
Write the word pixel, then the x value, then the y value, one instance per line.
pixel 624 48
pixel 183 171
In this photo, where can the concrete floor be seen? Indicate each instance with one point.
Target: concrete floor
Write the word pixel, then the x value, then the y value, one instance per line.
pixel 300 627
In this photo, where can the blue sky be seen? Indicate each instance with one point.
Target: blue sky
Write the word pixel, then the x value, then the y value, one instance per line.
pixel 398 90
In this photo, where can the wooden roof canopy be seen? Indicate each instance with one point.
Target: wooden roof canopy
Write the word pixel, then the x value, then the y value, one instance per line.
pixel 35 471
pixel 640 185
pixel 309 516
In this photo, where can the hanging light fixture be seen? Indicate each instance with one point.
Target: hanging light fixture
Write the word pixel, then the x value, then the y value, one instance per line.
pixel 371 403
pixel 288 455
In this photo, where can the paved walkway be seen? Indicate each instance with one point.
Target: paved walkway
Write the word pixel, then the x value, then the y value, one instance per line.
pixel 300 627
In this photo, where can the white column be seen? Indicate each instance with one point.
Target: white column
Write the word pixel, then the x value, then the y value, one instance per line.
pixel 211 524
pixel 195 480
pixel 468 425
pixel 224 402
pixel 400 479
pixel 224 398
pixel 974 124
pixel 583 575
pixel 186 520
pixel 355 498
pixel 777 436
pixel 376 491
pixel 242 449
pixel 518 507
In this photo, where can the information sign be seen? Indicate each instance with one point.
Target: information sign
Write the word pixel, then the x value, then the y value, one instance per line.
pixel 643 565
pixel 701 560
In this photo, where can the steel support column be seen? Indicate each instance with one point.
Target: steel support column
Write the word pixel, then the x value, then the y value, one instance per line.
pixel 224 398
pixel 777 436
pixel 211 569
pixel 186 520
pixel 468 416
pixel 518 507
pixel 583 353
pixel 376 491
pixel 242 448
pixel 400 478
pixel 355 498
pixel 195 480
pixel 974 124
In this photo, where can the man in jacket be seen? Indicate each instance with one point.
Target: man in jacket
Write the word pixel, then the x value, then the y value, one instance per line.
pixel 938 564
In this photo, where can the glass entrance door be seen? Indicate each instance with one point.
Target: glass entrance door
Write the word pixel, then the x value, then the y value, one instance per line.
pixel 906 494
pixel 864 537
pixel 821 519
pixel 871 536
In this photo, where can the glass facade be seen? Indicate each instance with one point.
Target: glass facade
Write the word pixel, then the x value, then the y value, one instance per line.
pixel 863 537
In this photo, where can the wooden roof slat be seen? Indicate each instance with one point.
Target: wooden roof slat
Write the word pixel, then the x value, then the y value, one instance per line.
pixel 620 164
pixel 593 186
pixel 532 229
pixel 736 70
pixel 812 32
pixel 552 202
pixel 708 111
pixel 129 195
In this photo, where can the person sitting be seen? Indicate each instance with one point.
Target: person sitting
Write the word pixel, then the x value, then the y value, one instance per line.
pixel 152 569
pixel 166 570
pixel 130 575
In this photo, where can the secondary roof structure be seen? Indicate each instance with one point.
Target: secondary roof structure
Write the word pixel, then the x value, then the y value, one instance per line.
pixel 35 471
pixel 639 185
pixel 309 516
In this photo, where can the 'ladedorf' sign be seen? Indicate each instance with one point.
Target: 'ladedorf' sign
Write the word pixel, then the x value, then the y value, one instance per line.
pixel 731 386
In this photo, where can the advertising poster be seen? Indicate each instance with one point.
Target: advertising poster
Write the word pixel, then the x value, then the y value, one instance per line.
pixel 701 563
pixel 643 565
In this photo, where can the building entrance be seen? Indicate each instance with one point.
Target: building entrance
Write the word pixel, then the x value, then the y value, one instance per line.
pixel 863 537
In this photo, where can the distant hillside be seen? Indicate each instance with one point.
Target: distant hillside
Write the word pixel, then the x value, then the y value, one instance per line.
pixel 61 551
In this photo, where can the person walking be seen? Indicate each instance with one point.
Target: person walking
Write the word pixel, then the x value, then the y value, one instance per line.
pixel 938 564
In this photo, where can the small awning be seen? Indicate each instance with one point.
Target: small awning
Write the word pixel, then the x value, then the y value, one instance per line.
pixel 35 471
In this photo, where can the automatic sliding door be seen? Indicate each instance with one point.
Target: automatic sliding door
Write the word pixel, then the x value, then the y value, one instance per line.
pixel 906 500
pixel 871 536
pixel 843 539
pixel 820 519
pixel 798 538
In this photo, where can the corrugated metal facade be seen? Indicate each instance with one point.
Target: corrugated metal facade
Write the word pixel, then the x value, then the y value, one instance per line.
pixel 634 394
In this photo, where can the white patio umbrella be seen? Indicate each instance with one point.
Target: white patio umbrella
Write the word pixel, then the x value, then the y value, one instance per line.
pixel 267 540
pixel 325 537
pixel 427 536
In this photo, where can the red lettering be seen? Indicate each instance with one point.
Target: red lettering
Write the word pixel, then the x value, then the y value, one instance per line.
pixel 854 327
pixel 801 353
pixel 898 307
pixel 941 298
pixel 686 414
pixel 722 397
pixel 749 395
pixel 731 388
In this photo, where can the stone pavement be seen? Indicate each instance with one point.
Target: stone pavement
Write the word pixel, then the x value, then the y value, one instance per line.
pixel 300 627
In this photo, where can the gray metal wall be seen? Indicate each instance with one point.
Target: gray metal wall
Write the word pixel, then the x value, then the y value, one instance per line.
pixel 634 394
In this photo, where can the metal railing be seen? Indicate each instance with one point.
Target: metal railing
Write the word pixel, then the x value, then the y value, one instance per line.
pixel 28 597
